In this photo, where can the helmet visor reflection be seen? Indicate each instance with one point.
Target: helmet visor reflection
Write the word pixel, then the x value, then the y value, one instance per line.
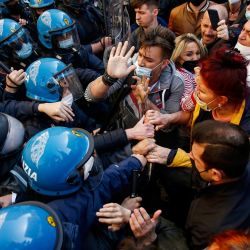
pixel 65 39
pixel 16 43
pixel 67 78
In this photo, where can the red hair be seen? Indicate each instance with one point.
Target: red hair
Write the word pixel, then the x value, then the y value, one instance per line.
pixel 232 239
pixel 225 73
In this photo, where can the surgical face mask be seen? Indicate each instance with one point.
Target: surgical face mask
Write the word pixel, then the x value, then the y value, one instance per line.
pixel 68 100
pixel 247 15
pixel 143 71
pixel 25 51
pixel 202 104
pixel 88 166
pixel 66 43
pixel 244 50
pixel 233 1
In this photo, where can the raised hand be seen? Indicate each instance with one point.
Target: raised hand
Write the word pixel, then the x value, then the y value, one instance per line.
pixel 118 61
pixel 141 89
pixel 222 30
pixel 14 80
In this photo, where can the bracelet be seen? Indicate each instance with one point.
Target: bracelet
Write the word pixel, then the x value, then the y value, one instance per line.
pixel 108 80
pixel 14 87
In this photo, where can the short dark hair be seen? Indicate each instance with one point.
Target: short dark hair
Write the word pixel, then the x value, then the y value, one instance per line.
pixel 226 146
pixel 159 37
pixel 138 3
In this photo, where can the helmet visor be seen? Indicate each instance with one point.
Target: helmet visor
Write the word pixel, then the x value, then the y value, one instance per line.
pixel 67 78
pixel 19 44
pixel 66 39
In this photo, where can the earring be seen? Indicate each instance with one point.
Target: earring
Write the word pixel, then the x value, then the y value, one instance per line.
pixel 219 105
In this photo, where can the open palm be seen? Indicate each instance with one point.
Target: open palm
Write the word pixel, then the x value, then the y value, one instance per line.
pixel 118 61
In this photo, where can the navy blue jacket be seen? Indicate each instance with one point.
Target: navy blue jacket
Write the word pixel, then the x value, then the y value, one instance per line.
pixel 78 212
pixel 17 109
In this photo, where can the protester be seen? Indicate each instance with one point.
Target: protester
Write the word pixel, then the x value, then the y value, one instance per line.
pixel 186 55
pixel 186 18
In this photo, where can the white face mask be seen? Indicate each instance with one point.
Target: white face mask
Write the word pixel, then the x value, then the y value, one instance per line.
pixel 247 15
pixel 202 104
pixel 143 71
pixel 66 43
pixel 88 166
pixel 233 1
pixel 25 51
pixel 68 99
pixel 244 50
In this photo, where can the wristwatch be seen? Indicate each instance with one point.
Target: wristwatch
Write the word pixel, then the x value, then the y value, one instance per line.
pixel 108 80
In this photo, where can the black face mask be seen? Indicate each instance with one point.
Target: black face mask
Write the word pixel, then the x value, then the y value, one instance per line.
pixel 196 2
pixel 190 65
pixel 197 181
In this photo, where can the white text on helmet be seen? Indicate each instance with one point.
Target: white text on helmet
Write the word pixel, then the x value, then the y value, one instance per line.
pixel 28 171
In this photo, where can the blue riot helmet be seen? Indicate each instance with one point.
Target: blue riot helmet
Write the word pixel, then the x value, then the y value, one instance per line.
pixel 39 6
pixel 14 40
pixel 28 226
pixel 48 77
pixel 11 136
pixel 56 30
pixel 54 158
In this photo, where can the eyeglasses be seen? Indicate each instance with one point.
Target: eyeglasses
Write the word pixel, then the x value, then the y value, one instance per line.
pixel 203 171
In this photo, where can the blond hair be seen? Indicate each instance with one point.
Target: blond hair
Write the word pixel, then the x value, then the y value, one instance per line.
pixel 181 43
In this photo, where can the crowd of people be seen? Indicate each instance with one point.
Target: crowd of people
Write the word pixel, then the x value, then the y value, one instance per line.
pixel 131 141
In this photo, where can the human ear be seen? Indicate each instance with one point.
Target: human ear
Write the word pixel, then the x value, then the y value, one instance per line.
pixel 217 175
pixel 155 12
pixel 165 63
pixel 223 100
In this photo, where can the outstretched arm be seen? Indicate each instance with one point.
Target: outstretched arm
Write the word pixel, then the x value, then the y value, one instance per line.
pixel 117 68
